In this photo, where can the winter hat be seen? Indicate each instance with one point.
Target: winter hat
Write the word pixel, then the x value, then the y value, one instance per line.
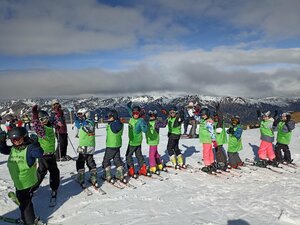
pixel 190 105
pixel 55 101
pixel 285 114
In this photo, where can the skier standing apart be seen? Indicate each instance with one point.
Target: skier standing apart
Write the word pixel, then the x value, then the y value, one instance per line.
pixel 21 164
pixel 58 120
pixel 46 138
pixel 86 148
pixel 136 127
pixel 152 137
pixel 175 121
pixel 284 127
pixel 207 138
pixel 221 139
pixel 266 152
pixel 235 143
pixel 114 132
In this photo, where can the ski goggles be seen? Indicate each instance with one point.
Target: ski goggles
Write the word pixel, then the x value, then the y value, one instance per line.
pixel 136 113
pixel 173 112
pixel 152 113
pixel 17 139
pixel 43 119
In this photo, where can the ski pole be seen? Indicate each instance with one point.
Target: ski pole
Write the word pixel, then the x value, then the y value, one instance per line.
pixel 72 145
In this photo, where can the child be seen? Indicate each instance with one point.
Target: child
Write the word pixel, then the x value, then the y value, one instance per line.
pixel 207 138
pixel 235 143
pixel 266 151
pixel 221 139
pixel 114 131
pixel 86 148
pixel 175 120
pixel 136 127
pixel 21 164
pixel 46 138
pixel 152 137
pixel 284 126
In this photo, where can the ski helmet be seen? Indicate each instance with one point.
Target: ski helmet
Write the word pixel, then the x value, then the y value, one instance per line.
pixel 17 133
pixel 205 111
pixel 235 120
pixel 173 108
pixel 54 101
pixel 136 108
pixel 43 115
pixel 113 113
pixel 152 113
pixel 267 114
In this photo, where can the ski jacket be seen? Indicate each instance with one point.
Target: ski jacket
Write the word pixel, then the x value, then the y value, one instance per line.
pixel 152 135
pixel 266 130
pixel 284 134
pixel 221 136
pixel 235 140
pixel 206 131
pixel 58 121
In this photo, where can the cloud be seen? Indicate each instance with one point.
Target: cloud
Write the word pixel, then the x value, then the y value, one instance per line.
pixel 218 72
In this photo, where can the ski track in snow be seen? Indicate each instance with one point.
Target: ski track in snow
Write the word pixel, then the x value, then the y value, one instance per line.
pixel 246 197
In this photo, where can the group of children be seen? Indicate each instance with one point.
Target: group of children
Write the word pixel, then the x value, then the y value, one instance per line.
pixel 25 150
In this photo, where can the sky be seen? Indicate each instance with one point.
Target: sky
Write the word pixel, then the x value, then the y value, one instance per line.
pixel 246 48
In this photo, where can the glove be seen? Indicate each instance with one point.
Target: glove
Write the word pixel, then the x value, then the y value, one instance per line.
pixel 258 112
pixel 163 111
pixel 35 112
pixel 129 104
pixel 122 120
pixel 230 130
pixel 215 144
pixel 33 137
pixel 275 123
pixel 2 136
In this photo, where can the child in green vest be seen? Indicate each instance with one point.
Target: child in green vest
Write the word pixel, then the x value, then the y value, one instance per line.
pixel 284 127
pixel 22 167
pixel 46 138
pixel 235 143
pixel 136 127
pixel 221 139
pixel 152 137
pixel 175 121
pixel 86 148
pixel 114 132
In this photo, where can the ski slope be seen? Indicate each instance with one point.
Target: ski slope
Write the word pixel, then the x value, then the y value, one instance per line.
pixel 188 197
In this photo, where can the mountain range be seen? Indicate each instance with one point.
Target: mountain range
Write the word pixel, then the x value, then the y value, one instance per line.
pixel 244 107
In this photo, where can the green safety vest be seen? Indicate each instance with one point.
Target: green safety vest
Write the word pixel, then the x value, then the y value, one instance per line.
pixel 113 140
pixel 86 139
pixel 152 136
pixel 282 137
pixel 234 144
pixel 22 175
pixel 221 138
pixel 264 128
pixel 48 142
pixel 135 139
pixel 204 134
pixel 171 128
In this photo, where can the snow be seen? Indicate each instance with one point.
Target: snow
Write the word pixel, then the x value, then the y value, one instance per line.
pixel 260 197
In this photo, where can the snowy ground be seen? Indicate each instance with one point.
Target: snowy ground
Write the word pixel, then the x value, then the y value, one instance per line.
pixel 254 197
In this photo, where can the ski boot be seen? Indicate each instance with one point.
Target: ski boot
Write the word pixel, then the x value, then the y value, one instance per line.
pixel 207 169
pixel 261 163
pixel 180 161
pixel 143 171
pixel 161 167
pixel 120 174
pixel 81 177
pixel 107 175
pixel 93 177
pixel 273 163
pixel 154 170
pixel 174 162
pixel 132 173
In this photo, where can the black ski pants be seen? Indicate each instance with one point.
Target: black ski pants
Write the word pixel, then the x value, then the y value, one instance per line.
pixel 85 158
pixel 26 205
pixel 220 155
pixel 138 154
pixel 172 146
pixel 286 151
pixel 62 145
pixel 112 154
pixel 48 163
pixel 234 159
